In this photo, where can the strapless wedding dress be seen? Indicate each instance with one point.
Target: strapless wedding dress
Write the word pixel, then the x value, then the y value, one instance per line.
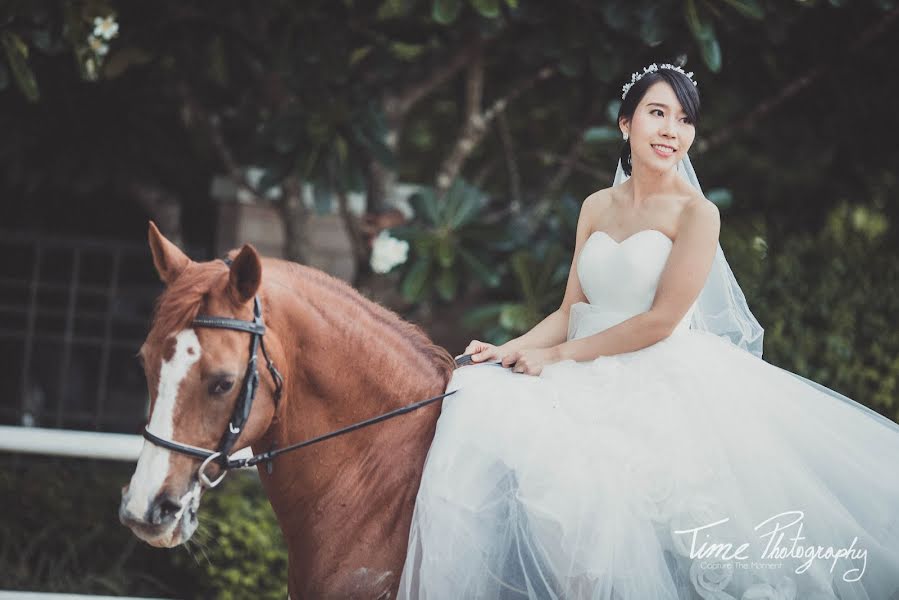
pixel 626 477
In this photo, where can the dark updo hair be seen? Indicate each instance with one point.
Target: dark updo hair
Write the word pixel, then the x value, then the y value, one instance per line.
pixel 683 88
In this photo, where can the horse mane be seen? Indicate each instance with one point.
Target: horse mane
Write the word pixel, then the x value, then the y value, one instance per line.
pixel 180 303
pixel 437 356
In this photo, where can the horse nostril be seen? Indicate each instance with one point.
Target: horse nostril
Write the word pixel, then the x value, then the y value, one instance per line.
pixel 164 509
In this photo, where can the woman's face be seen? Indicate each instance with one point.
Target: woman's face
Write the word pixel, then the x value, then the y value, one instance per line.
pixel 660 132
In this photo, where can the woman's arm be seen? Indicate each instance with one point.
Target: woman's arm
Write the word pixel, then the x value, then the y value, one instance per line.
pixel 553 330
pixel 679 285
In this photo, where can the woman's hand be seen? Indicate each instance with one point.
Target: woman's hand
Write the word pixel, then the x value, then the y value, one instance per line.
pixel 531 362
pixel 482 351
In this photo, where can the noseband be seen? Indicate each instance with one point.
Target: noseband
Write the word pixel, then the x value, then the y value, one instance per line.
pixel 244 404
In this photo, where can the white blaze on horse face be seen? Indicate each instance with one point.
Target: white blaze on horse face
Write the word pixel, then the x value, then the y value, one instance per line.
pixel 153 462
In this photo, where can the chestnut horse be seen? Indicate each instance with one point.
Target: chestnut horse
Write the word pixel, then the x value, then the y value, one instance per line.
pixel 344 505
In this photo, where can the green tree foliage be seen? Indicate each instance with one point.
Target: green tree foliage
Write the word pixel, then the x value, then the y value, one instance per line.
pixel 828 298
pixel 238 547
pixel 449 242
pixel 796 146
pixel 66 537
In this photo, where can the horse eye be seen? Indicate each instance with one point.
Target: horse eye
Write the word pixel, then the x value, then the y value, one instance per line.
pixel 220 387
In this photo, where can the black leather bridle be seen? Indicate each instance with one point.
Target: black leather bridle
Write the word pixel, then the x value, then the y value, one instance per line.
pixel 244 404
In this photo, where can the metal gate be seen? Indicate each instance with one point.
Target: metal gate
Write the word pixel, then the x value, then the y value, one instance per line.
pixel 73 313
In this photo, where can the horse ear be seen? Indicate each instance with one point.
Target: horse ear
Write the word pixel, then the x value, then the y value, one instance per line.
pixel 246 274
pixel 167 257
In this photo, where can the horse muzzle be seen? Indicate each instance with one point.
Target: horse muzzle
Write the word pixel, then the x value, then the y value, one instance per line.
pixel 165 521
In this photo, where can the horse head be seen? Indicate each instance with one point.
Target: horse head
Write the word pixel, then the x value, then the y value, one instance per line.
pixel 196 376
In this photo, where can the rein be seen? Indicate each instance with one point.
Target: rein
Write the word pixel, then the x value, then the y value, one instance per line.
pixel 256 329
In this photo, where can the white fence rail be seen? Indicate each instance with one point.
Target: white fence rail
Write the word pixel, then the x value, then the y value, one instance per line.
pixel 76 444
pixel 43 596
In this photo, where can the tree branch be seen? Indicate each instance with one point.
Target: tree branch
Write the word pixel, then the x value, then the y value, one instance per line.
pixel 798 84
pixel 567 163
pixel 511 162
pixel 476 123
pixel 397 106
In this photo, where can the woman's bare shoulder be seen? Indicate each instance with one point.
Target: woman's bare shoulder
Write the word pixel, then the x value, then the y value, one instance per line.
pixel 696 202
pixel 597 202
pixel 699 209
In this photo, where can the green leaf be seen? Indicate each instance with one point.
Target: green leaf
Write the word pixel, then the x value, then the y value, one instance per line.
pixel 515 317
pixel 489 277
pixel 446 11
pixel 602 134
pixel 482 315
pixel 446 284
pixel 468 209
pixel 446 251
pixel 497 335
pixel 424 203
pixel 359 53
pixel 549 263
pixel 616 13
pixel 322 195
pixel 612 111
pixel 521 266
pixel 413 285
pixel 652 26
pixel 424 245
pixel 406 52
pixel 17 57
pixel 699 24
pixel 487 8
pixel 720 197
pixel 394 9
pixel 711 54
pixel 451 201
pixel 748 8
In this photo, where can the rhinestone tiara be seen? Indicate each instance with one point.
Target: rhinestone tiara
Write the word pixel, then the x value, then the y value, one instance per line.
pixel 653 67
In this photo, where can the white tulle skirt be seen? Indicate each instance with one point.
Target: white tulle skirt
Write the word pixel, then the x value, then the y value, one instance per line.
pixel 688 469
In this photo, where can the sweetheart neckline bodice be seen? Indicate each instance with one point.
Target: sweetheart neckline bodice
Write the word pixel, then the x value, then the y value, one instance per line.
pixel 636 233
pixel 619 280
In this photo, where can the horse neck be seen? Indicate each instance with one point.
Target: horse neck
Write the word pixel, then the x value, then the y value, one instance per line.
pixel 351 353
pixel 336 374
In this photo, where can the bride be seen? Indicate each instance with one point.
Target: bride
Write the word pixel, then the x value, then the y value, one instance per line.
pixel 634 445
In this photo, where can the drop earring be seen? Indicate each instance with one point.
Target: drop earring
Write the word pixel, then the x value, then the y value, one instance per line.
pixel 625 136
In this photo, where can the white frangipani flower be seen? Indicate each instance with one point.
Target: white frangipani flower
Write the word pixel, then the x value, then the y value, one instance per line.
pixel 106 27
pixel 97 45
pixel 388 252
